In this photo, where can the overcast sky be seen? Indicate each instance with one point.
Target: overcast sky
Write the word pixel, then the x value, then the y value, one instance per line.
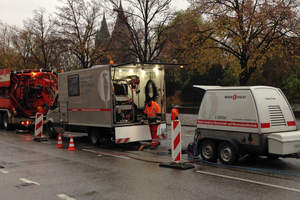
pixel 13 12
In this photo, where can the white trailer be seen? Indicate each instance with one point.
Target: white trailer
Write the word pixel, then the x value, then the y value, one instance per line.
pixel 107 102
pixel 234 121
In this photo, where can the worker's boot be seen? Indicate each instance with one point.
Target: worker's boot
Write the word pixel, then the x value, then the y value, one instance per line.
pixel 154 143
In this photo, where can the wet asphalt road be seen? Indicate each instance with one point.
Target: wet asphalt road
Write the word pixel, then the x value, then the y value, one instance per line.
pixel 39 170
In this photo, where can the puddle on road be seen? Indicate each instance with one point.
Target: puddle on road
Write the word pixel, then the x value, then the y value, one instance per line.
pixel 24 185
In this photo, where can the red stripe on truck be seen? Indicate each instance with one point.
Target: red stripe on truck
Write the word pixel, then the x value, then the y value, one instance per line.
pixel 4 83
pixel 90 109
pixel 239 124
pixel 291 123
pixel 265 125
pixel 227 123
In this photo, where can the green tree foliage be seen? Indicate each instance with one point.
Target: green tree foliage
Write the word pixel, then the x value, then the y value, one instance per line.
pixel 230 77
pixel 290 84
pixel 248 29
pixel 188 44
pixel 214 74
pixel 172 82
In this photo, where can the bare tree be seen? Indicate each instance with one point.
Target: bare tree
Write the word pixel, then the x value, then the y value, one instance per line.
pixel 78 20
pixel 38 41
pixel 146 22
pixel 6 51
pixel 22 47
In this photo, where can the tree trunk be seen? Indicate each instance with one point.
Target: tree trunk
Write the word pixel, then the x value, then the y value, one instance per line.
pixel 244 75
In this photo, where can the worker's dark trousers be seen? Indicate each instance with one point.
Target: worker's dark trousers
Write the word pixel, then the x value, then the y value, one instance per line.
pixel 153 130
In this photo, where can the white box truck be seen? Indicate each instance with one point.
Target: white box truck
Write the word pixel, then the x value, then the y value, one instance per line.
pixel 107 102
pixel 235 121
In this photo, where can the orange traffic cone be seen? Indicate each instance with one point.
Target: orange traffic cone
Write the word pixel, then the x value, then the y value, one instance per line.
pixel 59 142
pixel 71 145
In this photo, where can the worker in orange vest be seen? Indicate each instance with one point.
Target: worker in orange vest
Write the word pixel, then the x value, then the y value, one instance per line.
pixel 153 113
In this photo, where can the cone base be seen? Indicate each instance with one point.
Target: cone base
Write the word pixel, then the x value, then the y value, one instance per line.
pixel 38 139
pixel 71 149
pixel 181 166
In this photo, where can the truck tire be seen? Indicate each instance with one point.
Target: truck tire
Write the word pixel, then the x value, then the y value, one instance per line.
pixel 208 151
pixel 227 154
pixel 94 136
pixel 1 120
pixel 272 156
pixel 51 132
pixel 6 124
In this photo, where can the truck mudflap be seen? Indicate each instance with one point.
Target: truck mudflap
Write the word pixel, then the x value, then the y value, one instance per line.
pixel 126 134
pixel 135 133
pixel 284 143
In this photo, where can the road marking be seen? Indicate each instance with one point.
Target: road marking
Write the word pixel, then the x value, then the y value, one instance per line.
pixel 29 181
pixel 107 154
pixel 89 150
pixel 116 156
pixel 63 196
pixel 250 181
pixel 3 171
pixel 171 141
pixel 188 135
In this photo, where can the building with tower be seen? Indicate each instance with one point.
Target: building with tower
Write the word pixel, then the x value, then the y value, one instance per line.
pixel 118 43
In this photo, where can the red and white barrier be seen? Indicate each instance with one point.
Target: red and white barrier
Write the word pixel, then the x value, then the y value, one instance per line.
pixel 176 144
pixel 176 140
pixel 38 129
pixel 38 125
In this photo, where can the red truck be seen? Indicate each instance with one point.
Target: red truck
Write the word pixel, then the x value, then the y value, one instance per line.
pixel 23 94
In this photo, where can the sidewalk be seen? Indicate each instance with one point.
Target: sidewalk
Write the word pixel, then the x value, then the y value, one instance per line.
pixel 185 119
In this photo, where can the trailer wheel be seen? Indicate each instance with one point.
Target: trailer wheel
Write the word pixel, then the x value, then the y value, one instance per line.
pixel 6 124
pixel 208 150
pixel 94 136
pixel 272 156
pixel 51 132
pixel 228 154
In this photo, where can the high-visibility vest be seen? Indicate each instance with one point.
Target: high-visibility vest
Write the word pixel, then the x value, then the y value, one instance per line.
pixel 152 110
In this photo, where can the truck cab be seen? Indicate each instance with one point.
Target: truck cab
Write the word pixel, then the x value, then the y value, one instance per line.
pixel 52 119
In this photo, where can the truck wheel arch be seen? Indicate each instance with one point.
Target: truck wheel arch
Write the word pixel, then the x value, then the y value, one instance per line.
pixel 51 131
pixel 6 121
pixel 94 136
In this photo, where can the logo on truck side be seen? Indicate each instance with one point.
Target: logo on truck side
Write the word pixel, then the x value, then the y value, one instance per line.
pixel 234 97
pixel 104 86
